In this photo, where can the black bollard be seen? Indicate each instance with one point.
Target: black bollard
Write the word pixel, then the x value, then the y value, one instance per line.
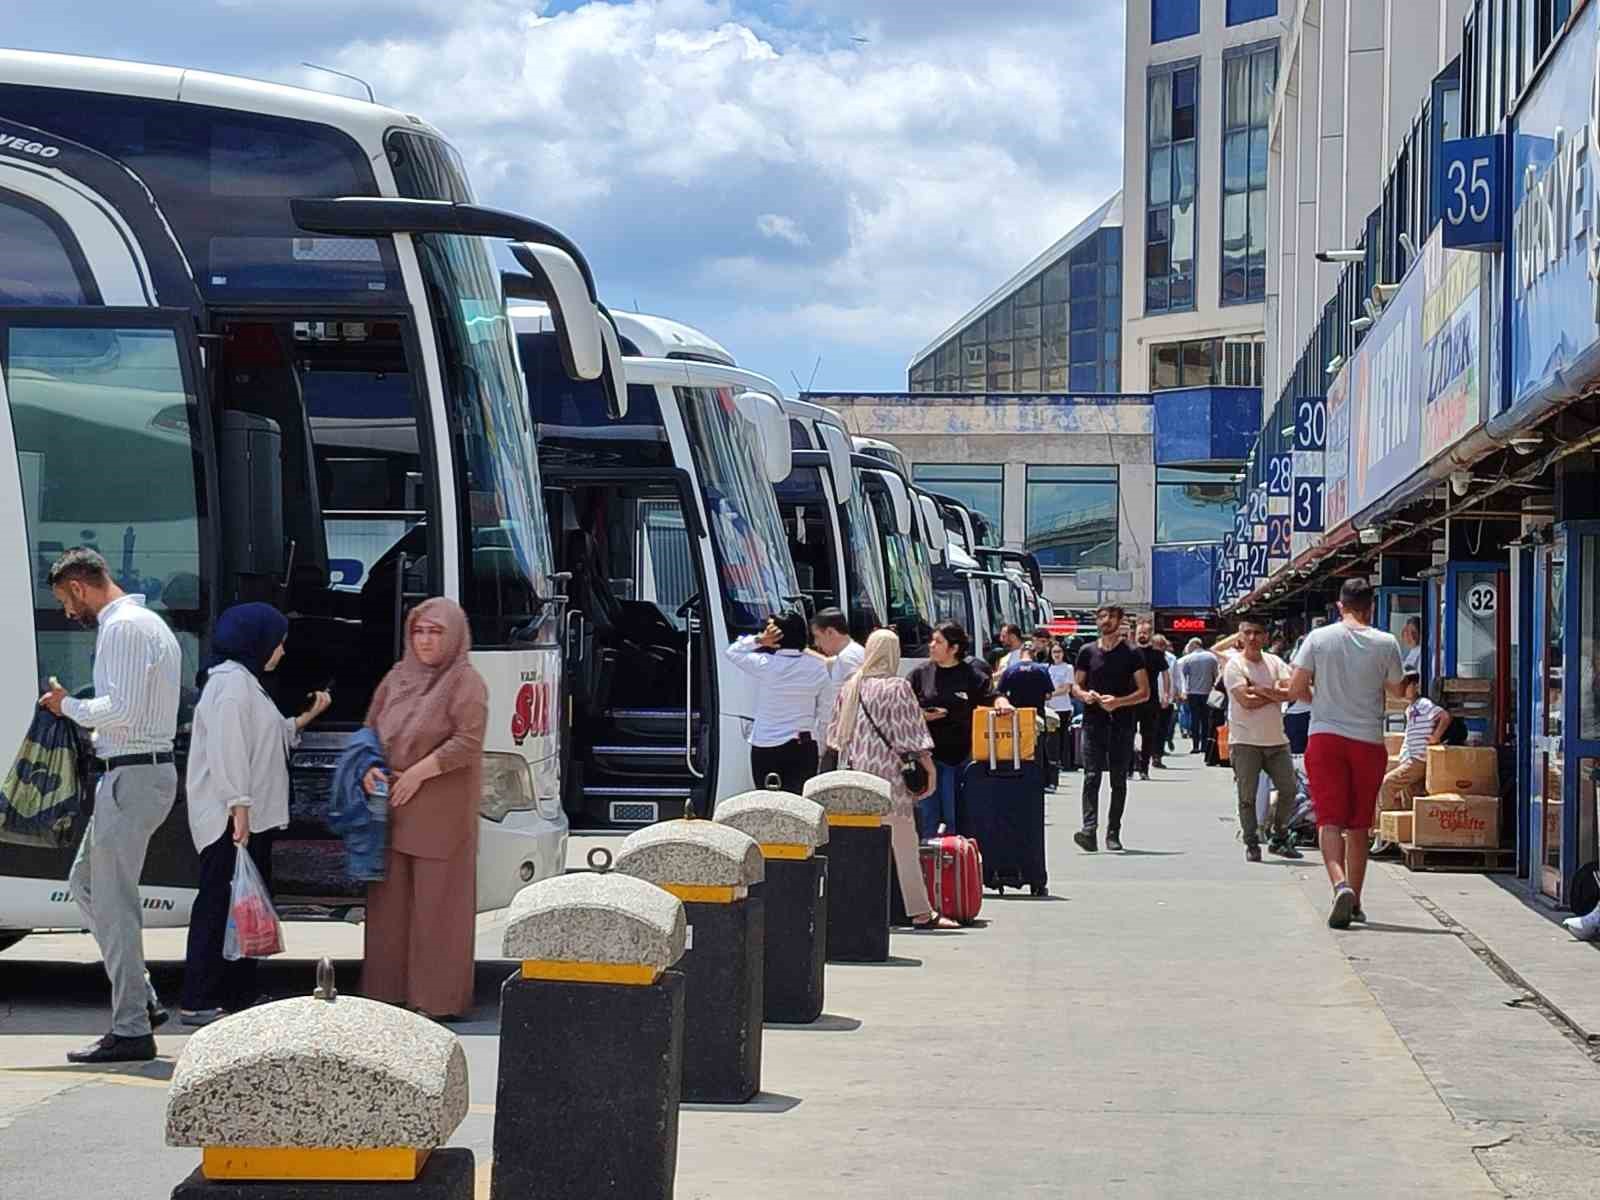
pixel 858 864
pixel 591 1042
pixel 712 868
pixel 795 898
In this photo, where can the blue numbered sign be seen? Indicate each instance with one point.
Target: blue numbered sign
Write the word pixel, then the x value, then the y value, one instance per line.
pixel 1472 201
pixel 1310 423
pixel 1308 505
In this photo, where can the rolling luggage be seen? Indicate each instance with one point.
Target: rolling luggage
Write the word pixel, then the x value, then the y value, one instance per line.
pixel 952 869
pixel 985 731
pixel 1003 811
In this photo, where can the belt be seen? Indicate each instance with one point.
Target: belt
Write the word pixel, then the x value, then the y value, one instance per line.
pixel 151 758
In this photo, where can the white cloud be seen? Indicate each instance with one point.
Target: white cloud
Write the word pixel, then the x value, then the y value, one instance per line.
pixel 798 188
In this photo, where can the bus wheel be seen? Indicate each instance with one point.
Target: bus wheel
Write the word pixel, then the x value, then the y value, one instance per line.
pixel 10 937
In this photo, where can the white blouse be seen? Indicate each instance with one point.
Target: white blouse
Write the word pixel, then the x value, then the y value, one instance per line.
pixel 238 756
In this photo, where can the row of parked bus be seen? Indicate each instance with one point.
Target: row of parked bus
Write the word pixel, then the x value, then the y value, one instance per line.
pixel 255 344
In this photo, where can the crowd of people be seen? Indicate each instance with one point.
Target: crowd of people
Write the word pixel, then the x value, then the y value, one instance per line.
pixel 427 718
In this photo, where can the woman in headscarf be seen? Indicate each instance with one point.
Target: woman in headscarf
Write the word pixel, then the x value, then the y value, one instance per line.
pixel 237 789
pixel 876 720
pixel 430 713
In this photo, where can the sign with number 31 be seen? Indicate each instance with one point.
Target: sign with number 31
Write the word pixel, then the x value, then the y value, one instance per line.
pixel 1472 194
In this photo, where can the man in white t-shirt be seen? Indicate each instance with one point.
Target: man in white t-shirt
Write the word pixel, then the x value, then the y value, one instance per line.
pixel 830 634
pixel 1257 684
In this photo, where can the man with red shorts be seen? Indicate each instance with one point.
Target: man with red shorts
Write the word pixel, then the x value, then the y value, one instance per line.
pixel 1344 670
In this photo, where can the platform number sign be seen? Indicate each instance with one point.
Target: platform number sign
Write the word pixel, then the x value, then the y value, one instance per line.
pixel 1280 475
pixel 1311 423
pixel 1278 537
pixel 1308 505
pixel 1472 193
pixel 1258 561
pixel 1241 524
pixel 1481 599
pixel 1258 506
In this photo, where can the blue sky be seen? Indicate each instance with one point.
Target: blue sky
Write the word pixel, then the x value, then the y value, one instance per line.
pixel 804 179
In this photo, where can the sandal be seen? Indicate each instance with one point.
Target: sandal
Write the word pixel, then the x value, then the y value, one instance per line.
pixel 934 921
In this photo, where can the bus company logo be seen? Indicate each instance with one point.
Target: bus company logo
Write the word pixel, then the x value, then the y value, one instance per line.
pixel 531 714
pixel 152 903
pixel 17 145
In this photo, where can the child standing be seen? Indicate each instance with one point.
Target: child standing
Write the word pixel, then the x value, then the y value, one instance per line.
pixel 1425 726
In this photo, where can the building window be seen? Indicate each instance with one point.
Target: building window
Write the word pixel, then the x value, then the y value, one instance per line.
pixel 1249 79
pixel 1171 19
pixel 1242 363
pixel 1170 189
pixel 980 486
pixel 1186 364
pixel 1195 504
pixel 1241 11
pixel 1072 517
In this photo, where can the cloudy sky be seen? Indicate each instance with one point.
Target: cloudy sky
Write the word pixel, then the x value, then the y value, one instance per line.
pixel 804 179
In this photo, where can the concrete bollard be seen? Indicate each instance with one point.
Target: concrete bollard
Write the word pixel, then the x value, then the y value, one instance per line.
pixel 794 897
pixel 591 1042
pixel 322 1098
pixel 711 868
pixel 858 863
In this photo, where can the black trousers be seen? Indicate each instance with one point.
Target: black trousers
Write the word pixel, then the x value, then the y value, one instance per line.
pixel 1199 720
pixel 1152 734
pixel 209 980
pixel 794 762
pixel 1107 746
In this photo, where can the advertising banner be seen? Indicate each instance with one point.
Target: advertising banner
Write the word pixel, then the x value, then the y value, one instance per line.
pixel 1336 460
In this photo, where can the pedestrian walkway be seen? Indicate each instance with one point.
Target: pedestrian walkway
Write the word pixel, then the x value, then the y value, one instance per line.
pixel 1171 1022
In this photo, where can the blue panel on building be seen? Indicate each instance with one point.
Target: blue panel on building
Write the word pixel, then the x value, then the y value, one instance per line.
pixel 1171 19
pixel 1240 11
pixel 1210 424
pixel 1183 576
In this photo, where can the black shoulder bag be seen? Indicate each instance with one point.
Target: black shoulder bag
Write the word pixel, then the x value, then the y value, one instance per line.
pixel 912 773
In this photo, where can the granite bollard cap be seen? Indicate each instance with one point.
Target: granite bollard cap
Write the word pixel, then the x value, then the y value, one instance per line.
pixel 588 918
pixel 692 854
pixel 776 819
pixel 850 793
pixel 313 1073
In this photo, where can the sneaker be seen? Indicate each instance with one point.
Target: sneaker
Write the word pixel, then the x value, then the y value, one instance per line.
pixel 114 1049
pixel 200 1018
pixel 158 1015
pixel 1344 906
pixel 1114 842
pixel 1284 848
pixel 1356 914
pixel 1585 928
pixel 1086 840
pixel 1252 854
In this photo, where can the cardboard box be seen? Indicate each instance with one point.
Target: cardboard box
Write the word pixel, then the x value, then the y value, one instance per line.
pixel 1396 826
pixel 1394 742
pixel 1464 770
pixel 1467 822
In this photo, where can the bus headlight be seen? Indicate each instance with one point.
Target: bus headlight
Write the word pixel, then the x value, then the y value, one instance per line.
pixel 507 786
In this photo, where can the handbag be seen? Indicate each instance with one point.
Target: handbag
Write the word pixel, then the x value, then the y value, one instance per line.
pixel 912 773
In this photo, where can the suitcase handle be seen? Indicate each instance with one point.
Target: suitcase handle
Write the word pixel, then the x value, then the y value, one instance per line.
pixel 1016 740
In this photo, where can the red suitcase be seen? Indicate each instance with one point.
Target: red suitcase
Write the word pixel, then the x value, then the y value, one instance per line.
pixel 952 869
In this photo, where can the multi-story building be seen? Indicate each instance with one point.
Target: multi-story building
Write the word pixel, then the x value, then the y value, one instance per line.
pixel 1200 78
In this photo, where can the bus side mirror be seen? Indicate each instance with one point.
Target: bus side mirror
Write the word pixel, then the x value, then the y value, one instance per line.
pixel 590 348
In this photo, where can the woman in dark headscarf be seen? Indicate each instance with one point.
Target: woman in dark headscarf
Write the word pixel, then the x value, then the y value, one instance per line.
pixel 430 713
pixel 237 786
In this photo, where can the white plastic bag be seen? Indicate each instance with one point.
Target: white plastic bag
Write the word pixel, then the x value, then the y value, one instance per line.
pixel 254 930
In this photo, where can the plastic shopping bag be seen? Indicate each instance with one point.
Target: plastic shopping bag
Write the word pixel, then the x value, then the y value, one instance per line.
pixel 253 927
pixel 41 800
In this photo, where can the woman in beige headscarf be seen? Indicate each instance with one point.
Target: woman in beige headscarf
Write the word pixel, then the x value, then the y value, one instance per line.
pixel 430 713
pixel 876 720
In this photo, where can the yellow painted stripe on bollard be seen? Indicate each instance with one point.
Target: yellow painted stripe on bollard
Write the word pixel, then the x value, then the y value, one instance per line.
pixel 377 1164
pixel 695 893
pixel 636 974
pixel 784 850
pixel 855 820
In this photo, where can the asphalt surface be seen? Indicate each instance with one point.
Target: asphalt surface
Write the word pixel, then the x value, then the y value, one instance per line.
pixel 1172 1021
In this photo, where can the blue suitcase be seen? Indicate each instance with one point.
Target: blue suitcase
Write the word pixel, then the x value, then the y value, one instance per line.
pixel 1002 809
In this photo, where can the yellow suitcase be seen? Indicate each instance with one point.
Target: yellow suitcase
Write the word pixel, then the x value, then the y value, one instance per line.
pixel 1004 739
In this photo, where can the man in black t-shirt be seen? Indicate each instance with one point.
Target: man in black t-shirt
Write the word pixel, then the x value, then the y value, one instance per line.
pixel 1152 726
pixel 1112 682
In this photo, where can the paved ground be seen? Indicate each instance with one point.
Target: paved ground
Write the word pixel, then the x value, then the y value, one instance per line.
pixel 1173 1021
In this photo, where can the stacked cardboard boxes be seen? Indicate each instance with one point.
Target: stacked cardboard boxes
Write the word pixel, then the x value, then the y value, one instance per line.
pixel 1462 807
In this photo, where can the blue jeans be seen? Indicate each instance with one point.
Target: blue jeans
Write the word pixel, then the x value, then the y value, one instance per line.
pixel 941 805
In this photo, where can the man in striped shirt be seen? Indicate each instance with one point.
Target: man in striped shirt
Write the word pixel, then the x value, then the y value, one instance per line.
pixel 1426 723
pixel 134 716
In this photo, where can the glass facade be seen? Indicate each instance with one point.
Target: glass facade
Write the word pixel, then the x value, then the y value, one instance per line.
pixel 980 486
pixel 1242 11
pixel 1059 332
pixel 1249 78
pixel 1171 19
pixel 1170 187
pixel 1072 517
pixel 1206 362
pixel 1195 504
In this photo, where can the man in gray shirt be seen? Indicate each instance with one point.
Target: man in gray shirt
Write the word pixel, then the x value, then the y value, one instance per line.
pixel 1345 670
pixel 1198 670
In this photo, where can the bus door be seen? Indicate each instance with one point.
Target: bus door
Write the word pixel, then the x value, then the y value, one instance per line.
pixel 811 519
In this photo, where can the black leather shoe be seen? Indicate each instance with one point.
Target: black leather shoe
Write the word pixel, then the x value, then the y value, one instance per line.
pixel 113 1049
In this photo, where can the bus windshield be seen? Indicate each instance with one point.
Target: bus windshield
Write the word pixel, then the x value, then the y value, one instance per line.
pixel 910 594
pixel 758 576
pixel 868 601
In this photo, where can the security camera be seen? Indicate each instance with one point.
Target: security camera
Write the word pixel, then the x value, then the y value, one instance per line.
pixel 1461 482
pixel 1527 445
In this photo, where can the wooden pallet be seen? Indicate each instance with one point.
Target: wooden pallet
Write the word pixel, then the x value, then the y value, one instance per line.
pixel 1457 858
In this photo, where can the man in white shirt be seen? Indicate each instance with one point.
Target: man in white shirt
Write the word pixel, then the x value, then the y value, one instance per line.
pixel 791 688
pixel 134 716
pixel 1257 684
pixel 830 634
pixel 1011 641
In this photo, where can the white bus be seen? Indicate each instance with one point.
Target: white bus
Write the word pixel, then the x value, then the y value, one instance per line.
pixel 904 535
pixel 252 347
pixel 668 524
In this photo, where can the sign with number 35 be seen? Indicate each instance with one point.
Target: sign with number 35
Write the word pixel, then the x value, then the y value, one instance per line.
pixel 1472 193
